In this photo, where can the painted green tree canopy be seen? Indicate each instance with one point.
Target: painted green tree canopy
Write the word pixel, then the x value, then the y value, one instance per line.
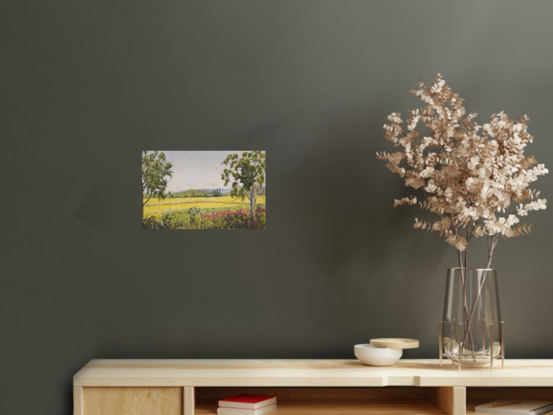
pixel 155 173
pixel 247 174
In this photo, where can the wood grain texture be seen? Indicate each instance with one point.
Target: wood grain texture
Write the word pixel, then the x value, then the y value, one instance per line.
pixel 420 408
pixel 450 400
pixel 212 395
pixel 395 343
pixel 132 401
pixel 301 373
pixel 77 400
pixel 189 400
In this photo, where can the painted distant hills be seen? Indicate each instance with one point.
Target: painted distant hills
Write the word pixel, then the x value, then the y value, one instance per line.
pixel 223 190
pixel 193 193
pixel 198 192
pixel 205 192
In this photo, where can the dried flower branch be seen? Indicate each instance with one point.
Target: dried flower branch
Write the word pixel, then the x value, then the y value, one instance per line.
pixel 475 178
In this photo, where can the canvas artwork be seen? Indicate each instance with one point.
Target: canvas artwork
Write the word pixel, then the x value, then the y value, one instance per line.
pixel 203 190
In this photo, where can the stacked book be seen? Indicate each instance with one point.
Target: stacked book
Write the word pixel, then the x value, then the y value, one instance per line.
pixel 247 404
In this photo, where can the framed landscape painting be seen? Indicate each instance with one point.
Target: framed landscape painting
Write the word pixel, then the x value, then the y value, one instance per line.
pixel 204 189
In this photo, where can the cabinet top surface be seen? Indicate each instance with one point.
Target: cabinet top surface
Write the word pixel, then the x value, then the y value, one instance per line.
pixel 305 373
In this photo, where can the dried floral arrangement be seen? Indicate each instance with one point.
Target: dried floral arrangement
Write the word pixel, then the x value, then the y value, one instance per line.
pixel 475 178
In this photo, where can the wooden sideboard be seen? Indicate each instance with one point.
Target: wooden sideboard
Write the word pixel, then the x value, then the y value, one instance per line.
pixel 187 387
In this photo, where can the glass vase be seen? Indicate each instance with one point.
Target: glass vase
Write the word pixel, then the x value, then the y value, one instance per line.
pixel 471 332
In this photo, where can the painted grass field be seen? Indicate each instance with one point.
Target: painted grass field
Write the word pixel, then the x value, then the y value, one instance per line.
pixel 157 207
pixel 204 213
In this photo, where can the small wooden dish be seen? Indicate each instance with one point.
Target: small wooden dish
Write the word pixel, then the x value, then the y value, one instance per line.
pixel 395 343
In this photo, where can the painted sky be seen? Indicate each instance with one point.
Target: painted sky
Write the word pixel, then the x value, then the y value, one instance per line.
pixel 197 169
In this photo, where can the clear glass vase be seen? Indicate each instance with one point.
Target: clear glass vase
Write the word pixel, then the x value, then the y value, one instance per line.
pixel 471 331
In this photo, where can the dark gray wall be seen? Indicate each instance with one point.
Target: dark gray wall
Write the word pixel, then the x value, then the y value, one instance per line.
pixel 87 85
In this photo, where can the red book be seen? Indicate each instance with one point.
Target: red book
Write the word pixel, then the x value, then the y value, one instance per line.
pixel 247 401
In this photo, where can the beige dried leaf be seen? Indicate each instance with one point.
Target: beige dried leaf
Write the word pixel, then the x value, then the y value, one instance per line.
pixel 476 177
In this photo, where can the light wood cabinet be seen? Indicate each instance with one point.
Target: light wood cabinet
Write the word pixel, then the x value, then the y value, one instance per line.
pixel 132 401
pixel 177 387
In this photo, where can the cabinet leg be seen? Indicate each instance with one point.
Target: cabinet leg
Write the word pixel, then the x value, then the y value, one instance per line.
pixel 189 400
pixel 451 400
pixel 77 400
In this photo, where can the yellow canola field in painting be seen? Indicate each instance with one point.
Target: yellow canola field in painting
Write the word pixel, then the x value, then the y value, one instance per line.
pixel 157 207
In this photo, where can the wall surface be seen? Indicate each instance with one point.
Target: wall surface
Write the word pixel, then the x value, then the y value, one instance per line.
pixel 86 86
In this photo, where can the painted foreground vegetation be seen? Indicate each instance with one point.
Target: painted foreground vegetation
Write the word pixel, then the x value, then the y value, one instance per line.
pixel 203 213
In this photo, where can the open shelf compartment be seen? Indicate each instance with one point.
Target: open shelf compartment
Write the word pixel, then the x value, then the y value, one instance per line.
pixel 359 400
pixel 479 396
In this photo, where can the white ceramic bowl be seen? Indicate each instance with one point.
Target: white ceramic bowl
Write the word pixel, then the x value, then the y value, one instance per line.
pixel 376 356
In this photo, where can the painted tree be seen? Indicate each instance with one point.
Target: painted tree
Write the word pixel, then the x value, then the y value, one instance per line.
pixel 247 174
pixel 155 173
